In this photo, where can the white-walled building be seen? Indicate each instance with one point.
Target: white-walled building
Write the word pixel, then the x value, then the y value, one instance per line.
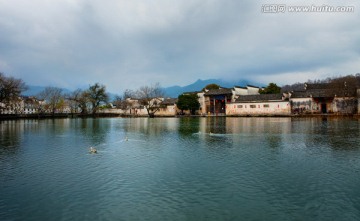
pixel 168 108
pixel 324 99
pixel 259 105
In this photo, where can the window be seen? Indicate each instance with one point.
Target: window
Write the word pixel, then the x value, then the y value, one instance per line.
pixel 252 106
pixel 240 106
pixel 266 106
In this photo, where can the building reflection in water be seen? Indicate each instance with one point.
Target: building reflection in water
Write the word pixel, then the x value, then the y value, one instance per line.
pixel 150 126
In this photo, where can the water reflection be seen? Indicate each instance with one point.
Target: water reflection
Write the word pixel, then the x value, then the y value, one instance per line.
pixel 340 134
pixel 180 168
pixel 273 141
pixel 151 126
pixel 258 125
pixel 189 126
pixel 214 125
pixel 94 129
pixel 11 134
pixel 334 133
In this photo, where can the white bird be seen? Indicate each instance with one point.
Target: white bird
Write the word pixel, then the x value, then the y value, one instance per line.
pixel 92 150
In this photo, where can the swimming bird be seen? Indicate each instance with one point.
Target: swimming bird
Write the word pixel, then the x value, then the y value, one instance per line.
pixel 126 138
pixel 92 150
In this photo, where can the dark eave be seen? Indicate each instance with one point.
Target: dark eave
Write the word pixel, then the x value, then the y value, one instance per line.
pixel 169 101
pixel 260 97
pixel 221 91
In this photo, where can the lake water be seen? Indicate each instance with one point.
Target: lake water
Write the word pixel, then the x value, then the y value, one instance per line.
pixel 180 169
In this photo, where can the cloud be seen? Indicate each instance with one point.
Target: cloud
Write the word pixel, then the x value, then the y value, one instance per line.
pixel 126 44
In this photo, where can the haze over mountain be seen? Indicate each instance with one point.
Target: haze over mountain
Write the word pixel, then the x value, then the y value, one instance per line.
pixel 175 91
pixel 172 91
pixel 35 90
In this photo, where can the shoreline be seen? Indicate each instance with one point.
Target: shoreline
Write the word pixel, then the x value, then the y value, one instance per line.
pixel 111 115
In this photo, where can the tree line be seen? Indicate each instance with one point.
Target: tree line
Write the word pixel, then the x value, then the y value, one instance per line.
pixel 10 90
pixel 149 97
pixel 90 100
pixel 350 81
pixel 87 101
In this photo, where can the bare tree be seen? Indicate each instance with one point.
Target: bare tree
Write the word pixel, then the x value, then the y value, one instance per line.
pixel 128 94
pixel 54 98
pixel 149 97
pixel 83 102
pixel 293 87
pixel 10 90
pixel 97 95
pixel 78 101
pixel 121 102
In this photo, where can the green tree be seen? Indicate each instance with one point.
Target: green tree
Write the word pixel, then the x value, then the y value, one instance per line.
pixel 272 88
pixel 97 95
pixel 188 102
pixel 211 87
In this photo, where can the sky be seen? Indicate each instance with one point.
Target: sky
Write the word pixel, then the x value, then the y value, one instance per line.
pixel 125 44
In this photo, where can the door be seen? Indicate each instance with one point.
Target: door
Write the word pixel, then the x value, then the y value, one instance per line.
pixel 323 108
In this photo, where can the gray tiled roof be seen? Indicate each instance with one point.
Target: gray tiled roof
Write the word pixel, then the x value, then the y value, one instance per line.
pixel 252 86
pixel 193 92
pixel 219 91
pixel 259 97
pixel 321 92
pixel 300 94
pixel 337 85
pixel 240 87
pixel 325 93
pixel 169 101
pixel 317 86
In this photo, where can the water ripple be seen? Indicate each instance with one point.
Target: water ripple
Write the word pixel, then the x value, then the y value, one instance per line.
pixel 156 169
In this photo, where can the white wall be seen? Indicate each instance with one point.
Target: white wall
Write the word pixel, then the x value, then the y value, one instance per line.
pixel 240 91
pixel 259 108
pixel 344 105
pixel 304 105
pixel 202 102
pixel 252 90
pixel 169 110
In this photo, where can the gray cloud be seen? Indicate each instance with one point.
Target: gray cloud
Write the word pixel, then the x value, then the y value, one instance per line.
pixel 125 44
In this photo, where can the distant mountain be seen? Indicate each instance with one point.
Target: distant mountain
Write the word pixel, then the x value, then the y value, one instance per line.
pixel 35 90
pixel 175 91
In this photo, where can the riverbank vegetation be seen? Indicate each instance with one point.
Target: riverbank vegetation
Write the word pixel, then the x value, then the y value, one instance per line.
pixel 53 101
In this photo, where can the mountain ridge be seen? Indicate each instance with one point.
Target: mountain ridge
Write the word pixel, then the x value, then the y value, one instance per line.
pixel 198 85
pixel 171 91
